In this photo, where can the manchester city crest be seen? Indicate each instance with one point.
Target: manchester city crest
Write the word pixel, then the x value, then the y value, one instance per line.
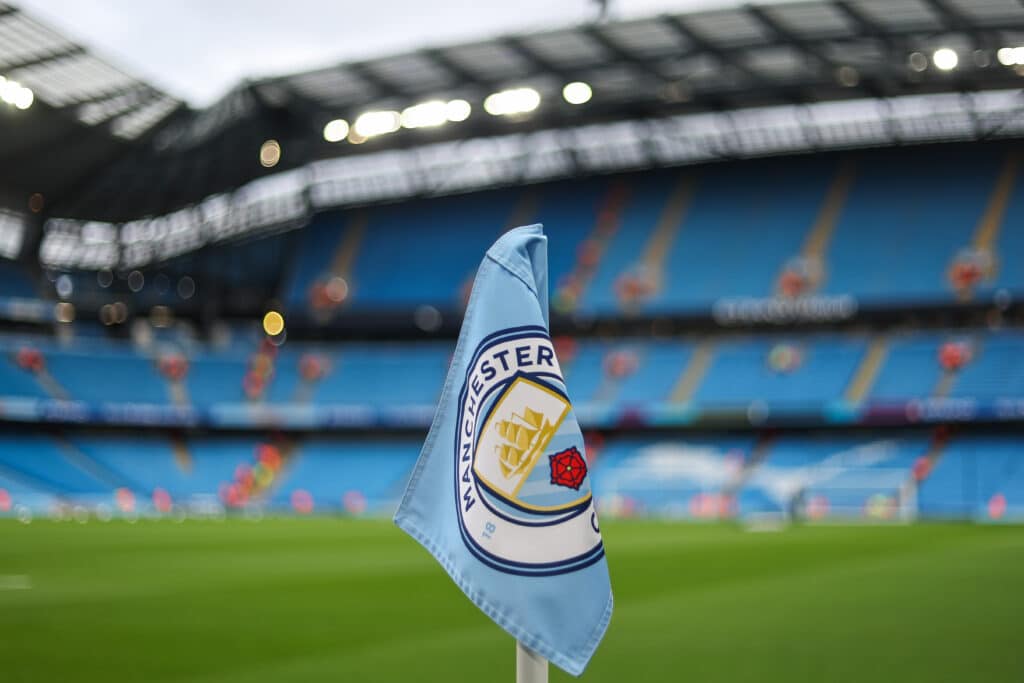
pixel 521 477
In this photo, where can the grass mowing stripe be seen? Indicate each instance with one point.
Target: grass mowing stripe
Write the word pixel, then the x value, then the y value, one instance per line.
pixel 314 599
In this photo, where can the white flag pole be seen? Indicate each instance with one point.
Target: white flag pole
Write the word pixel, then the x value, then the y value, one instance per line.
pixel 530 666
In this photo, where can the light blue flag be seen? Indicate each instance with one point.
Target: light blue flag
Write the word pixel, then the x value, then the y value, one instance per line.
pixel 501 493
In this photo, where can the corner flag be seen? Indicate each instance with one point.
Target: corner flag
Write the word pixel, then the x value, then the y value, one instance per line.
pixel 500 495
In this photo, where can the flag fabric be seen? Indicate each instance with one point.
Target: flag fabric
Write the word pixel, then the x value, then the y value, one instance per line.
pixel 500 495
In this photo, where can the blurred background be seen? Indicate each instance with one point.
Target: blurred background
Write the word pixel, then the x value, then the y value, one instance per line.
pixel 786 247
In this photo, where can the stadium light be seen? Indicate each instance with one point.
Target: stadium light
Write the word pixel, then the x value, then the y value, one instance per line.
pixel 1010 56
pixel 336 130
pixel 425 115
pixel 270 153
pixel 577 92
pixel 24 98
pixel 847 76
pixel 917 61
pixel 512 102
pixel 15 94
pixel 64 286
pixel 435 113
pixel 8 89
pixel 136 280
pixel 458 110
pixel 374 123
pixel 64 312
pixel 273 323
pixel 945 59
pixel 186 287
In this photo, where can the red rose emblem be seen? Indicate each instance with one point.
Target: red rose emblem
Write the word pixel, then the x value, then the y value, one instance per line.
pixel 568 468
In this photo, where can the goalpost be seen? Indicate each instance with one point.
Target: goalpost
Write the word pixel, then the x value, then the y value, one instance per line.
pixel 869 494
pixel 674 481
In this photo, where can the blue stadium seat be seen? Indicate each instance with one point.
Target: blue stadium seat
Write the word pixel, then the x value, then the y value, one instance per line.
pixel 216 378
pixel 22 493
pixel 740 372
pixel 390 271
pixel 108 377
pixel 893 243
pixel 996 370
pixel 17 382
pixel 145 463
pixel 970 472
pixel 39 461
pixel 585 374
pixel 383 375
pixel 743 225
pixel 660 364
pixel 327 469
pixel 911 370
pixel 1009 246
pixel 214 460
pixel 644 205
pixel 15 281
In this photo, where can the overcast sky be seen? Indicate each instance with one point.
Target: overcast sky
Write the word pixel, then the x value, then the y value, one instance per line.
pixel 198 49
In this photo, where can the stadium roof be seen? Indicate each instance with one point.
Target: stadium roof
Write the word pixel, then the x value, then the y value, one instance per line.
pixel 82 112
pixel 747 80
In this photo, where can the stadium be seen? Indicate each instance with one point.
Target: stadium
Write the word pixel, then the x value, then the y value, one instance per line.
pixel 785 262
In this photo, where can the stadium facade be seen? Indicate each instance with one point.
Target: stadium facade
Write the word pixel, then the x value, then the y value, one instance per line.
pixel 786 252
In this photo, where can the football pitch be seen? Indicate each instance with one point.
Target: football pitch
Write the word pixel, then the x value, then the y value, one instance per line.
pixel 340 600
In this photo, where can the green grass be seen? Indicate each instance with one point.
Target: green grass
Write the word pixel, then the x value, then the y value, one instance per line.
pixel 322 599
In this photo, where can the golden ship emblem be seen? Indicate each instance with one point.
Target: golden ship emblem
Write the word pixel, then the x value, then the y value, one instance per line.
pixel 525 436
